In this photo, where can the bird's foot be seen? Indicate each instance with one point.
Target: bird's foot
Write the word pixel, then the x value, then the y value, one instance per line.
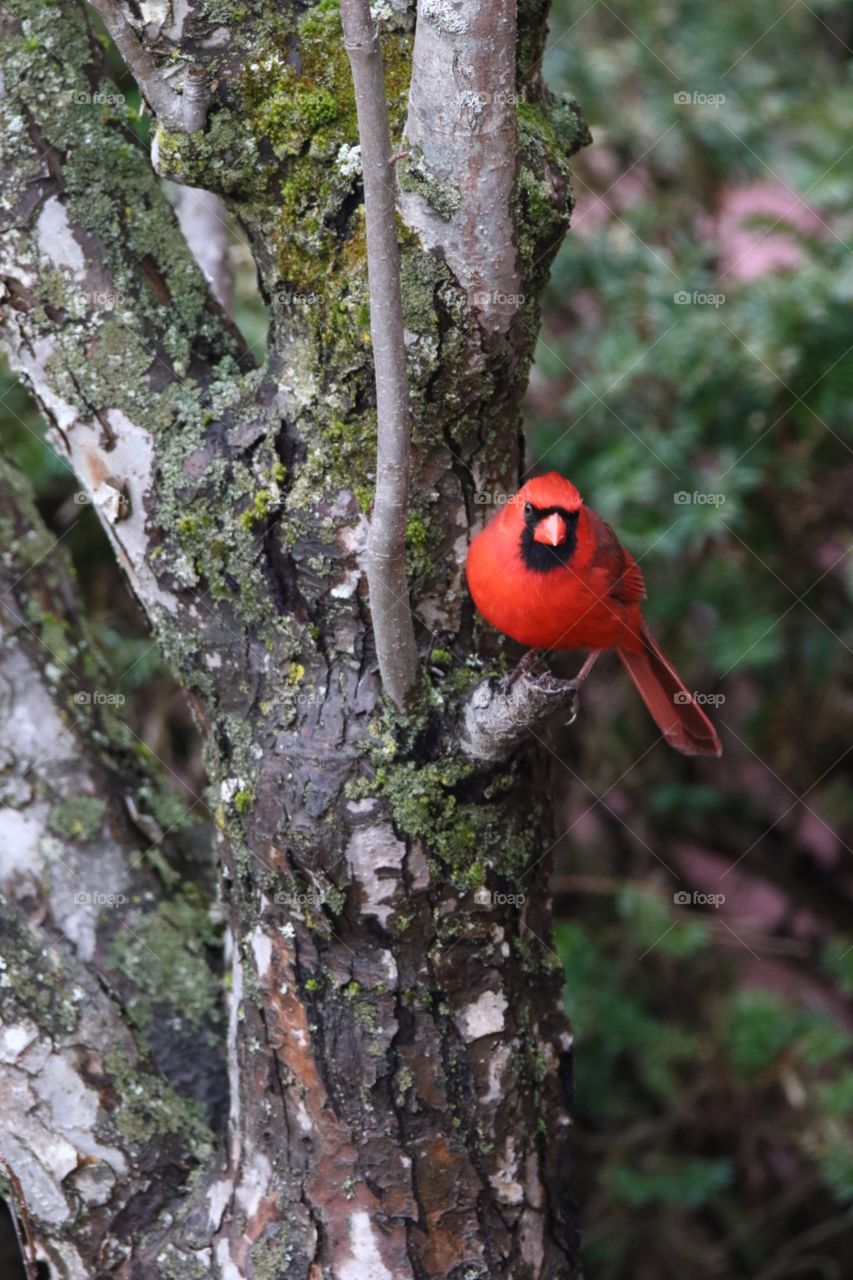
pixel 569 689
pixel 560 689
pixel 575 686
pixel 524 667
pixel 574 703
pixel 548 683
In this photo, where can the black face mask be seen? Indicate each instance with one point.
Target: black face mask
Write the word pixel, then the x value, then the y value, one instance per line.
pixel 538 556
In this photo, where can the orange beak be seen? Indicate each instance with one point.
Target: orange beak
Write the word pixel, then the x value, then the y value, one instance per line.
pixel 552 531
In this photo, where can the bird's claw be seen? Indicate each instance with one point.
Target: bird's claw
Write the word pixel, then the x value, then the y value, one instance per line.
pixel 574 704
pixel 551 684
pixel 523 668
pixel 504 684
pixel 545 683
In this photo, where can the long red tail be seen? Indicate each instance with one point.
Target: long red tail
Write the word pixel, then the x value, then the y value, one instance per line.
pixel 673 708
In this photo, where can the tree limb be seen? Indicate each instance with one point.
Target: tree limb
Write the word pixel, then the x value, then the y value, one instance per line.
pixel 493 722
pixel 86 1125
pixel 185 112
pixel 386 550
pixel 130 294
pixel 459 178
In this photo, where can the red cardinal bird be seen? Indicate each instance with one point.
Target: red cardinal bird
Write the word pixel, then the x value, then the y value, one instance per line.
pixel 551 574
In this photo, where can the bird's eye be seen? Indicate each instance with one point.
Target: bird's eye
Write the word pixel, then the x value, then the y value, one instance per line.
pixel 528 508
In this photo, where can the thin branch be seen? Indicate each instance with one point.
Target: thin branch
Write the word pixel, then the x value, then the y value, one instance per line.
pixel 386 548
pixel 185 112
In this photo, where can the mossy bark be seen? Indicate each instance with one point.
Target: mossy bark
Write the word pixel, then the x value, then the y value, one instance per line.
pixel 399 1064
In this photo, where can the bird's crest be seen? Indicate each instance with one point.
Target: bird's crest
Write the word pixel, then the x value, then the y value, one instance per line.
pixel 551 490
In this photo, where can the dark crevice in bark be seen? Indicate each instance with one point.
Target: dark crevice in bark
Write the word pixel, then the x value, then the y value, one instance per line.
pixel 341 220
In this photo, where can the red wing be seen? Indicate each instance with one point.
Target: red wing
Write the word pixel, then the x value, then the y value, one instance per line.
pixel 621 567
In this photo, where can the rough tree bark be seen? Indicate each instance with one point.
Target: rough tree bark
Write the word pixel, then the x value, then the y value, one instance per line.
pixel 111 1056
pixel 398 1062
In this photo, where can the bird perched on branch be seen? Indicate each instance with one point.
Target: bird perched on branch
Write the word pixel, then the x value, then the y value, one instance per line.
pixel 551 574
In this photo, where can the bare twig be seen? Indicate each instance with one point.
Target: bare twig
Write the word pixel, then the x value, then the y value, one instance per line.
pixel 386 549
pixel 23 1227
pixel 185 112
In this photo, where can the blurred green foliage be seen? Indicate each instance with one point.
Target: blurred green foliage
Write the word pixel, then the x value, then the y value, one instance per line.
pixel 686 1082
pixel 713 1048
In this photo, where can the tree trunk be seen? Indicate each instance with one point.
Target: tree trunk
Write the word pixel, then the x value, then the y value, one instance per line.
pixel 398 1062
pixel 110 1047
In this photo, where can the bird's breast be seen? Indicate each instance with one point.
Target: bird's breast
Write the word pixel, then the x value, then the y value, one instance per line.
pixel 566 608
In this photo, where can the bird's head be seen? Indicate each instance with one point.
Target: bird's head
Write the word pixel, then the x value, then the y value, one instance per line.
pixel 547 509
pixel 548 505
